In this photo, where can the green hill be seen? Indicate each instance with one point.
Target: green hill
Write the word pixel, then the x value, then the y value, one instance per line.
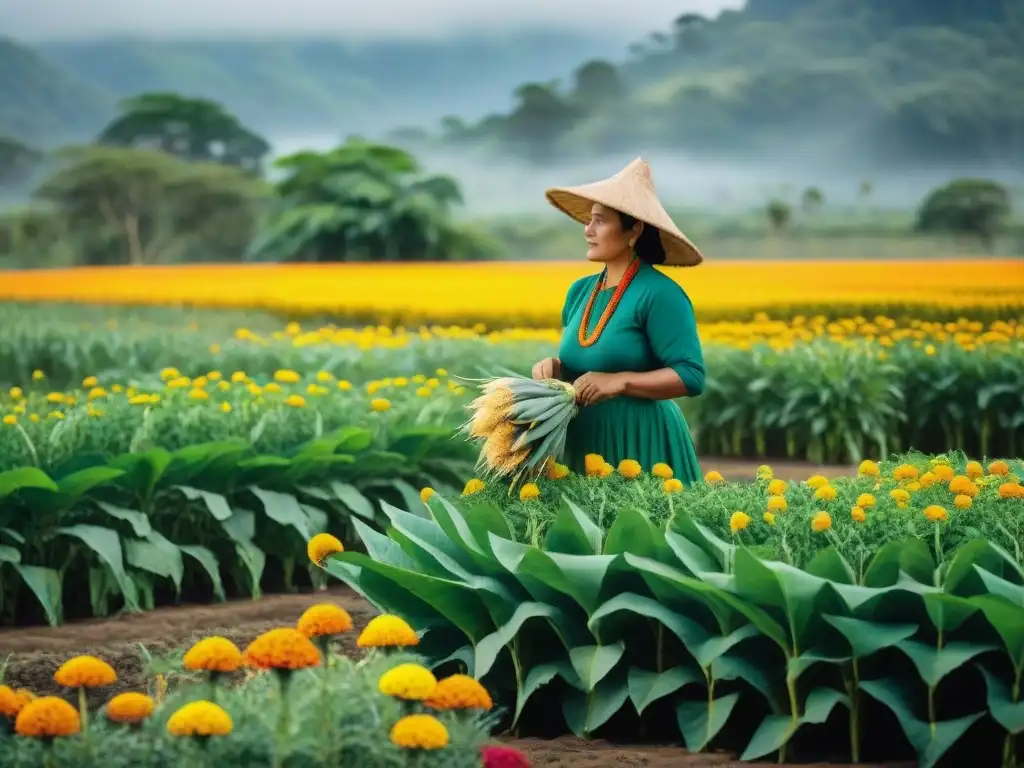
pixel 894 81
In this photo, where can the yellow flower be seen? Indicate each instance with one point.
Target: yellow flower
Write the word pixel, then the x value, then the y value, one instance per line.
pixel 286 376
pixel 295 401
pixel 777 504
pixel 239 377
pixel 817 481
pixel 974 470
pixel 899 495
pixel 821 522
pixel 868 468
pixel 423 391
pixel 419 732
pixel 866 500
pixel 12 701
pixel 935 513
pixel 858 514
pixel 179 383
pixel 769 518
pixel 282 648
pixel 273 387
pixel 662 471
pixel 214 376
pixel 777 487
pixel 200 718
pixel 47 717
pixel 905 472
pixel 130 708
pixel 714 477
pixel 764 472
pixel 928 479
pixel 426 494
pixel 322 546
pixel 10 419
pixel 38 375
pixel 225 407
pixel 556 471
pixel 943 472
pixel 170 373
pixel 89 382
pixel 199 394
pixel 16 393
pixel 344 385
pixel 380 404
pixel 85 672
pixel 213 654
pixel 672 485
pixel 324 376
pixel 962 501
pixel 913 486
pixel 408 681
pixel 473 486
pixel 386 631
pixel 56 397
pixel 738 521
pixel 324 620
pixel 592 464
pixel 825 493
pixel 528 492
pixel 630 469
pixel 963 485
pixel 1011 491
pixel 998 468
pixel 459 692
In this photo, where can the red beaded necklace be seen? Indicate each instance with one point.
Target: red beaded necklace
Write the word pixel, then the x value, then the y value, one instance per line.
pixel 620 289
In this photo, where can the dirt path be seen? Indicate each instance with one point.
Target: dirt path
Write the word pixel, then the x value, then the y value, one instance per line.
pixel 744 469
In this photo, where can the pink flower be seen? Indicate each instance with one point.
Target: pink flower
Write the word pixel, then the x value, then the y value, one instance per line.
pixel 503 757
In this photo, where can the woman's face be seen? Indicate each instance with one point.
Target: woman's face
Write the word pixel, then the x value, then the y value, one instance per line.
pixel 606 239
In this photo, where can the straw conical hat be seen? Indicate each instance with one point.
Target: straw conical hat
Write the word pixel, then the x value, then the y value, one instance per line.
pixel 630 191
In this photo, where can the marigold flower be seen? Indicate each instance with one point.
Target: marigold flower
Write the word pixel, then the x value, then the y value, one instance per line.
pixel 475 485
pixel 866 500
pixel 529 491
pixel 817 481
pixel 858 514
pixel 943 472
pixel 426 494
pixel 199 394
pixel 419 732
pixel 592 464
pixel 899 495
pixel 503 757
pixel 868 468
pixel 15 393
pixel 974 470
pixel 282 648
pixel 324 620
pixel 12 701
pixel 962 501
pixel 387 631
pixel 630 469
pixel 905 472
pixel 662 471
pixel 714 477
pixel 962 484
pixel 556 471
pixel 322 546
pixel 85 672
pixel 825 493
pixel 998 467
pixel 295 401
pixel 380 404
pixel 672 485
pixel 170 373
pixel 769 518
pixel 459 692
pixel 213 654
pixel 777 504
pixel 821 522
pixel 287 376
pixel 89 382
pixel 935 513
pixel 605 470
pixel 10 419
pixel 47 717
pixel 200 718
pixel 928 479
pixel 913 486
pixel 777 487
pixel 129 708
pixel 738 521
pixel 411 682
pixel 1011 491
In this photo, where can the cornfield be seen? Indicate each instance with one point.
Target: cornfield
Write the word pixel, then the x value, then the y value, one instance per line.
pixel 516 294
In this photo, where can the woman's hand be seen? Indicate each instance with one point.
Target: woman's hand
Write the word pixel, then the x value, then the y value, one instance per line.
pixel 592 388
pixel 548 368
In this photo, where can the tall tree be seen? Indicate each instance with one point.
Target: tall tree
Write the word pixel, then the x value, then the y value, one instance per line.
pixel 195 130
pixel 17 162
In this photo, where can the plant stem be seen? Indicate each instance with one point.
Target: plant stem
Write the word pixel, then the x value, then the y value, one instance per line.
pixel 855 713
pixel 284 676
pixel 83 714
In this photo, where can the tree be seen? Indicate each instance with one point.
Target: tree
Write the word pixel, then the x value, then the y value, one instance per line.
pixel 598 82
pixel 540 120
pixel 143 206
pixel 362 201
pixel 195 130
pixel 812 200
pixel 972 207
pixel 779 213
pixel 17 162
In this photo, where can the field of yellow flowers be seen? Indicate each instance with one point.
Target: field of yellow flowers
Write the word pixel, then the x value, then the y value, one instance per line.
pixel 518 294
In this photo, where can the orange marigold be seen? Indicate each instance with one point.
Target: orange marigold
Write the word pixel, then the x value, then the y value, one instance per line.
pixel 672 485
pixel 459 692
pixel 419 732
pixel 974 470
pixel 714 477
pixel 200 718
pixel 963 485
pixel 282 648
pixel 213 654
pixel 630 469
pixel 662 471
pixel 1011 491
pixel 777 487
pixel 905 472
pixel 868 468
pixel 821 522
pixel 129 708
pixel 999 467
pixel 322 546
pixel 935 513
pixel 47 717
pixel 858 514
pixel 387 631
pixel 12 701
pixel 593 463
pixel 943 472
pixel 85 672
pixel 324 619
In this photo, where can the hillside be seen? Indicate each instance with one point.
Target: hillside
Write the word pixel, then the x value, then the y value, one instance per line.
pixel 281 88
pixel 890 81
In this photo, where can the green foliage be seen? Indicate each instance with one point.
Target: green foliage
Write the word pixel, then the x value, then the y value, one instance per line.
pixel 618 610
pixel 779 213
pixel 363 201
pixel 17 163
pixel 194 130
pixel 974 207
pixel 336 716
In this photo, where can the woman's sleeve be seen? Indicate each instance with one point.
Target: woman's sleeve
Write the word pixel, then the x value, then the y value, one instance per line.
pixel 671 329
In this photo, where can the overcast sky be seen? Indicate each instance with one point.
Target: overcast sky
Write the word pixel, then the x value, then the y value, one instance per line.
pixel 64 19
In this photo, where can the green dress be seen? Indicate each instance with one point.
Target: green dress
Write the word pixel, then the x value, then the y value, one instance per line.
pixel 653 327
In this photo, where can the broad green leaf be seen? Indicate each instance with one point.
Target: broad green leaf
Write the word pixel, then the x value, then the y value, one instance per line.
pixel 572 532
pixel 999 586
pixel 189 462
pixel 13 535
pixel 142 471
pixel 707 652
pixel 646 686
pixel 830 564
pixel 283 509
pixel 1007 620
pixel 316 519
pixel 961 574
pixel 721 551
pixel 884 568
pixel 137 520
pixel 80 483
pixel 693 557
pixel 156 555
pixel 106 544
pixel 948 612
pixel 14 480
pixel 933 663
pixel 539 676
pixel 916 561
pixel 352 439
pixel 592 663
pixel 380 592
pixel 700 721
pixel 869 637
pixel 586 712
pixel 215 504
pixel 771 734
pixel 632 532
pixel 459 528
pixel 576 576
pixel 241 526
pixel 819 704
pixel 382 548
pixel 488 648
pixel 254 562
pixel 209 563
pixel 691 634
pixel 353 499
pixel 755 674
pixel 46 585
pixel 1004 710
pixel 9 554
pixel 432 542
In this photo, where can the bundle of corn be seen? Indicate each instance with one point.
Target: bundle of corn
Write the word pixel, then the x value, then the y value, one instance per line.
pixel 522 424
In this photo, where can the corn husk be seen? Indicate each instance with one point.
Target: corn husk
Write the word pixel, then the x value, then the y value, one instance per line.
pixel 520 424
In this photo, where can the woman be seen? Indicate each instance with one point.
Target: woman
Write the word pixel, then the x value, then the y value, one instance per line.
pixel 629 344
